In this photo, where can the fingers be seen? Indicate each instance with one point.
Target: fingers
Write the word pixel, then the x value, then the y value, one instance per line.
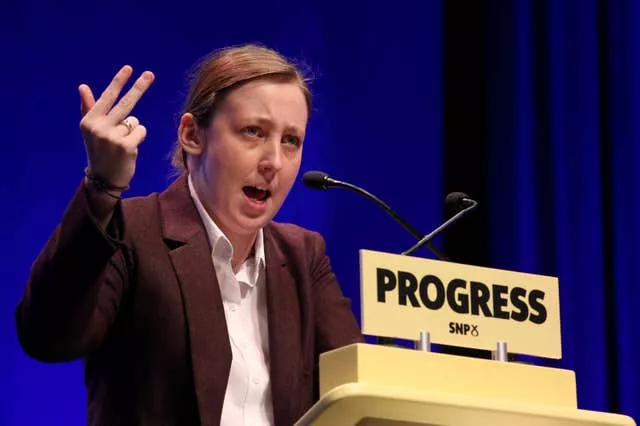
pixel 101 117
pixel 87 101
pixel 132 131
pixel 126 126
pixel 138 134
pixel 111 93
pixel 125 105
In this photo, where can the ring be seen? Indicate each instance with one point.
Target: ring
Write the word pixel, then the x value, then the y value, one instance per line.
pixel 128 124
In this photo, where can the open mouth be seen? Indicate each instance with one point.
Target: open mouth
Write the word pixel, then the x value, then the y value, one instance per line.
pixel 257 194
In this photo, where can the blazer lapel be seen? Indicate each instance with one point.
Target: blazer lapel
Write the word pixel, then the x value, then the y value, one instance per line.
pixel 283 313
pixel 190 254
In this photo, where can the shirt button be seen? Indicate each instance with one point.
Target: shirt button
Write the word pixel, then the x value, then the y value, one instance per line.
pixel 233 308
pixel 256 381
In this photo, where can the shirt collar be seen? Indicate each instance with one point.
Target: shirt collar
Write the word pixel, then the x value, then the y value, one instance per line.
pixel 219 241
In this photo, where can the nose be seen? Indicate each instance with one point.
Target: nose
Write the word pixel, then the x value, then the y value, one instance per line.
pixel 271 161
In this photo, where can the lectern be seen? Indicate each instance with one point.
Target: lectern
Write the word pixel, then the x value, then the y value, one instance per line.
pixel 454 304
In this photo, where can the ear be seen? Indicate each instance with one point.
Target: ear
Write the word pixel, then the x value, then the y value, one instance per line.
pixel 190 135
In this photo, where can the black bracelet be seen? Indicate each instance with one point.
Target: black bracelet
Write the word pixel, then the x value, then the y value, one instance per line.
pixel 103 185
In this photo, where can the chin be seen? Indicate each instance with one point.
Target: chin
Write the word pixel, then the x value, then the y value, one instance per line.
pixel 252 224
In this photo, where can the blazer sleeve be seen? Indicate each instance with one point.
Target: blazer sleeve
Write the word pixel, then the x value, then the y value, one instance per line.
pixel 336 326
pixel 75 286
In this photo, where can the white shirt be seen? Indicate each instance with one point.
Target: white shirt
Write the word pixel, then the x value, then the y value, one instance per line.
pixel 247 400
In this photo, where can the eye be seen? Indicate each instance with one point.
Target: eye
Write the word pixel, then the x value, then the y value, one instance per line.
pixel 291 140
pixel 253 131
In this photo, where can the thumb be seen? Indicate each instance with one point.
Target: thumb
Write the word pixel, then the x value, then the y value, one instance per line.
pixel 87 101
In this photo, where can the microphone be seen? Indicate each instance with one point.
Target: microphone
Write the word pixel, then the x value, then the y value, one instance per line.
pixel 454 201
pixel 321 181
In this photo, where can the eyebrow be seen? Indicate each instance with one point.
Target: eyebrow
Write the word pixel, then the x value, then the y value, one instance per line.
pixel 265 119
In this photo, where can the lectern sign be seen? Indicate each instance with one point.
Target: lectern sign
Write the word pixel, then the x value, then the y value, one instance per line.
pixel 460 305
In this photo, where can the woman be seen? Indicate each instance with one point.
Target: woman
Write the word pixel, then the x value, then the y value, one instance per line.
pixel 192 306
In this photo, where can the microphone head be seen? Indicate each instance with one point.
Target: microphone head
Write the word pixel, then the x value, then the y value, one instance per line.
pixel 316 180
pixel 456 201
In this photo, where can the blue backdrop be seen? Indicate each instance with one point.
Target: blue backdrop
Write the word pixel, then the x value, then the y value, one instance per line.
pixel 528 106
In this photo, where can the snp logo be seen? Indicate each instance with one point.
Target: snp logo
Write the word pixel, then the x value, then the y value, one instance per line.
pixel 463 328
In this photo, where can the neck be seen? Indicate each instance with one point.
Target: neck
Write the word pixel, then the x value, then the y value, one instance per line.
pixel 243 248
pixel 243 244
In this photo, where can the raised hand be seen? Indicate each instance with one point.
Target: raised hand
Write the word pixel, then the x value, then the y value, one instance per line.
pixel 110 134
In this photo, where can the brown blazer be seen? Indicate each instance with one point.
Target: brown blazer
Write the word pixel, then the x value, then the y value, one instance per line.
pixel 142 307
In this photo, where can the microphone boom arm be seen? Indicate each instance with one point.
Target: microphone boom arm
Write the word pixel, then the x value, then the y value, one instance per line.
pixel 427 238
pixel 413 231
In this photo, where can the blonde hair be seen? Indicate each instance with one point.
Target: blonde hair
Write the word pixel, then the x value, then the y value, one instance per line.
pixel 226 69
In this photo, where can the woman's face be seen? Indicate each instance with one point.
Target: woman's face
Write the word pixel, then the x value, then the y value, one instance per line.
pixel 252 154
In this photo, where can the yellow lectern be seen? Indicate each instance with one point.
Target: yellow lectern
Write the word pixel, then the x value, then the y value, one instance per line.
pixel 377 385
